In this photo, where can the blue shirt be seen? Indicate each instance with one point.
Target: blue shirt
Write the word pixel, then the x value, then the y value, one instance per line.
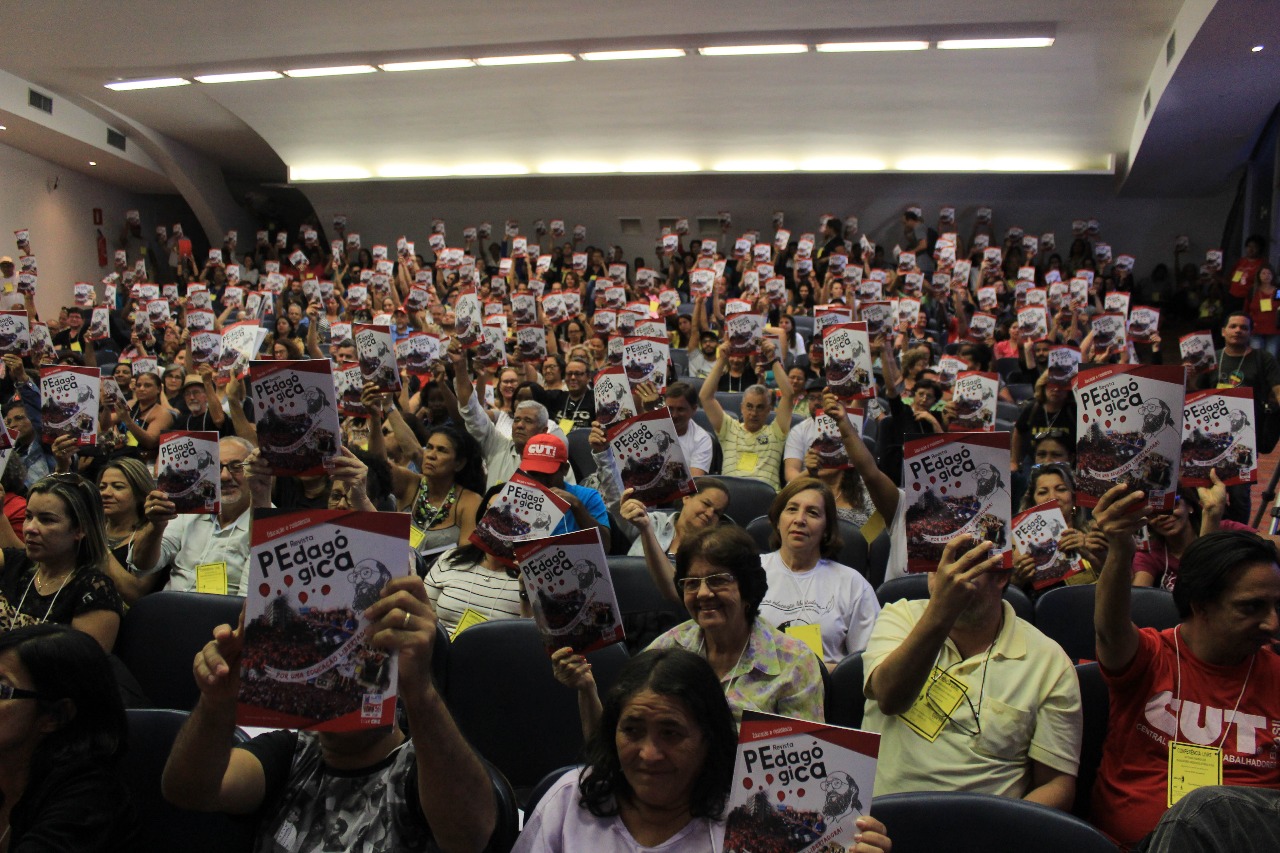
pixel 592 501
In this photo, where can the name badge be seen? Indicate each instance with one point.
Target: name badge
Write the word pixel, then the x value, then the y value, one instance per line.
pixel 212 578
pixel 748 461
pixel 1192 766
pixel 810 635
pixel 937 701
pixel 566 425
pixel 469 617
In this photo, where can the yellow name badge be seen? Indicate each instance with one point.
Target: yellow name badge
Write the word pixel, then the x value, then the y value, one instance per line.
pixel 810 635
pixel 566 425
pixel 416 534
pixel 1192 766
pixel 469 617
pixel 748 461
pixel 75 347
pixel 941 695
pixel 1264 304
pixel 211 577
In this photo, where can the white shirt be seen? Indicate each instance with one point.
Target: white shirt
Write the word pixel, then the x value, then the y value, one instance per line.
pixel 697 447
pixel 501 459
pixel 800 438
pixel 194 540
pixel 830 595
pixel 897 567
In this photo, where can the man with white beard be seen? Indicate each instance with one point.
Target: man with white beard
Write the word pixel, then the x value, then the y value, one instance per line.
pixel 967 696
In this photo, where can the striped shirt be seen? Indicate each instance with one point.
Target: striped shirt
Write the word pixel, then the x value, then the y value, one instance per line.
pixel 758 456
pixel 453 587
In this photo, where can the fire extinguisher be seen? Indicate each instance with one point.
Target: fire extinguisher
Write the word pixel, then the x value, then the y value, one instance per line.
pixel 102 249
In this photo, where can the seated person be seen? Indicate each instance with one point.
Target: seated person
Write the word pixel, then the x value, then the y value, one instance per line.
pixel 1210 682
pixel 752 448
pixel 966 696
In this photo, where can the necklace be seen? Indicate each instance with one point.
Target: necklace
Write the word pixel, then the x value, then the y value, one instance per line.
pixel 40 585
pixel 13 617
pixel 424 509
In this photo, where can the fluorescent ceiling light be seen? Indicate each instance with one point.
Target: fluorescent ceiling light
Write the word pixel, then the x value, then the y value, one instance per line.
pixel 1257 48
pixel 754 165
pixel 238 77
pixel 753 49
pixel 427 65
pixel 651 53
pixel 1027 164
pixel 986 44
pixel 576 167
pixel 658 166
pixel 331 72
pixel 940 163
pixel 531 59
pixel 842 164
pixel 870 46
pixel 481 170
pixel 93 162
pixel 328 173
pixel 412 170
pixel 162 83
pixel 2 127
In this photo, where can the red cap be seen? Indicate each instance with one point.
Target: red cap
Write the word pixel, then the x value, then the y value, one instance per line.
pixel 544 454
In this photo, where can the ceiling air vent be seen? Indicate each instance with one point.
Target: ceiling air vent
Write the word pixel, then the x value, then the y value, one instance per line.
pixel 631 225
pixel 40 101
pixel 115 139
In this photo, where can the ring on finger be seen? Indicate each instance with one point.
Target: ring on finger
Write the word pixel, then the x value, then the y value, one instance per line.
pixel 407 617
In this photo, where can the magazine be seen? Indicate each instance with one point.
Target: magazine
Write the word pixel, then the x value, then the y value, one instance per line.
pixel 798 786
pixel 523 511
pixel 99 324
pixel 613 398
pixel 949 367
pixel 69 403
pixel 647 452
pixel 468 318
pixel 1109 332
pixel 419 352
pixel 1063 365
pixel 295 407
pixel 206 348
pixel 1144 323
pixel 879 317
pixel 188 471
pixel 827 441
pixel 377 356
pixel 567 579
pixel 1129 430
pixel 348 383
pixel 982 326
pixel 647 360
pixel 956 483
pixel 240 342
pixel 1198 352
pixel 491 351
pixel 41 342
pixel 1033 323
pixel 1036 532
pixel 15 332
pixel 1218 434
pixel 307 662
pixel 1116 302
pixel 8 440
pixel 744 332
pixel 974 395
pixel 847 359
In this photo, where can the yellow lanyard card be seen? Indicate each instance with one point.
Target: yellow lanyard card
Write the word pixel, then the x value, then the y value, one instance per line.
pixel 416 535
pixel 941 695
pixel 566 425
pixel 211 577
pixel 1192 766
pixel 810 635
pixel 469 617
pixel 748 461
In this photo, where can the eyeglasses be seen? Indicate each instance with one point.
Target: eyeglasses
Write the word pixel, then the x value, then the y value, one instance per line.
pixel 235 469
pixel 715 583
pixel 8 691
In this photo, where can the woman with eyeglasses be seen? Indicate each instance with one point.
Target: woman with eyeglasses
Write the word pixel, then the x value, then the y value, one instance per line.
pixel 62 733
pixel 719 575
pixel 1055 482
pixel 60 574
pixel 1196 512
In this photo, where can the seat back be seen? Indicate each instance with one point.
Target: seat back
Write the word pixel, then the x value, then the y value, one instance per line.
pixel 580 459
pixel 747 498
pixel 929 822
pixel 914 587
pixel 1066 614
pixel 731 402
pixel 645 612
pixel 680 361
pixel 760 528
pixel 1095 702
pixel 845 700
pixel 544 784
pixel 853 548
pixel 878 559
pixel 165 826
pixel 508 704
pixel 507 824
pixel 159 638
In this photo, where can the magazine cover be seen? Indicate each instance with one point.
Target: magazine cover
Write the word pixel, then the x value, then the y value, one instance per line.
pixel 348 383
pixel 377 356
pixel 987 300
pixel 847 358
pixel 879 317
pixel 1126 431
pixel 651 329
pixel 200 320
pixel 827 442
pixel 830 315
pixel 974 395
pixel 798 786
pixel 908 311
pixel 491 351
pixel 468 318
pixel 69 403
pixel 1036 532
pixel 1033 323
pixel 1116 302
pixel 15 332
pixel 41 342
pixel 650 460
pixel 82 294
pixel 188 471
pixel 612 393
pixel 982 326
pixel 956 483
pixel 949 367
pixel 1109 332
pixel 145 364
pixel 1218 433
pixel 1198 352
pixel 647 360
pixel 99 324
pixel 523 511
pixel 531 343
pixel 295 404
pixel 1144 323
pixel 307 662
pixel 744 331
pixel 419 351
pixel 1064 364
pixel 110 394
pixel 567 578
pixel 240 342
pixel 524 309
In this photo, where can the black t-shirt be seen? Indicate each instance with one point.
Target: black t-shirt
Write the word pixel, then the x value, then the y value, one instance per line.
pixel 582 412
pixel 76 805
pixel 87 590
pixel 204 423
pixel 1255 369
pixel 1034 423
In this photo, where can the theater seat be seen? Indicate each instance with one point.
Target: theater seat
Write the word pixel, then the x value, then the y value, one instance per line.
pixel 845 700
pixel 580 458
pixel 760 529
pixel 1066 615
pixel 1095 702
pixel 937 821
pixel 645 613
pixel 164 827
pixel 917 586
pixel 508 704
pixel 747 498
pixel 159 638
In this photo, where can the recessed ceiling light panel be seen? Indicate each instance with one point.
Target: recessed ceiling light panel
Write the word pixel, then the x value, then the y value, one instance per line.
pixel 530 59
pixel 753 49
pixel 334 71
pixel 870 46
pixel 238 77
pixel 160 83
pixel 650 53
pixel 428 65
pixel 993 44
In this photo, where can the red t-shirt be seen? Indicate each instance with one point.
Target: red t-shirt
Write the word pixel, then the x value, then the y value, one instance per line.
pixel 1242 277
pixel 1264 322
pixel 1163 566
pixel 1132 786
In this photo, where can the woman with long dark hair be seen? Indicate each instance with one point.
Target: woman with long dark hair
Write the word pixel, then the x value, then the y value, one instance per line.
pixel 443 498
